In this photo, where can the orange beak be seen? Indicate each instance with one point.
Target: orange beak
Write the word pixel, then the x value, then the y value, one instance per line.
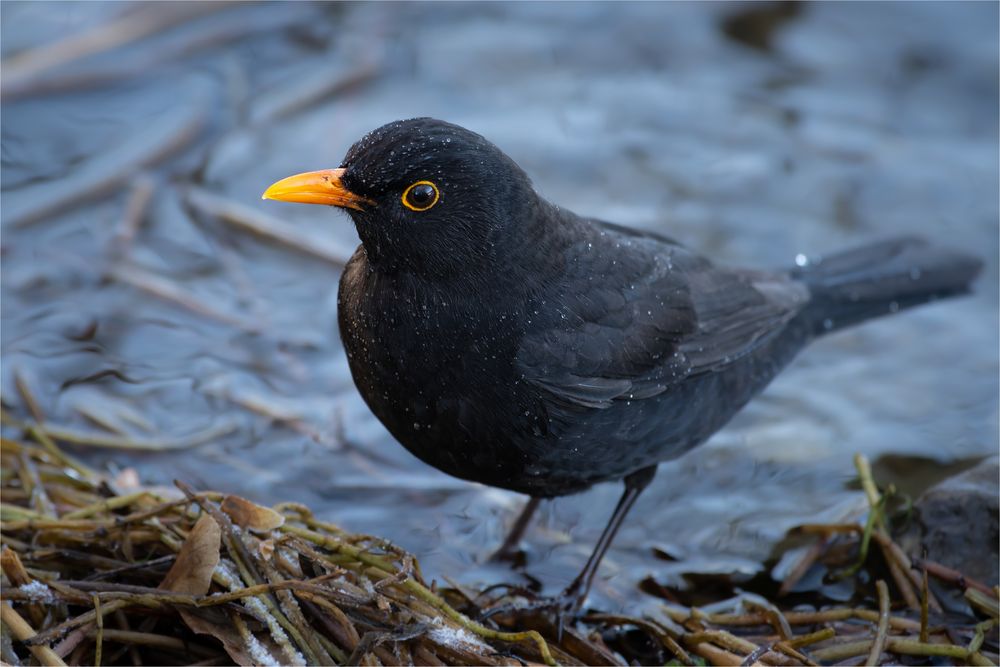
pixel 316 187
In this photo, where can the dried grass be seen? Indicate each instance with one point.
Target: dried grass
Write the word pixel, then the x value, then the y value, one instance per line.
pixel 103 571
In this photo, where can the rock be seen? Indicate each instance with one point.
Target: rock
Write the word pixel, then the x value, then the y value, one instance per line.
pixel 956 523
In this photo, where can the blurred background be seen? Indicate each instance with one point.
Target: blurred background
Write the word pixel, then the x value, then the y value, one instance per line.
pixel 152 303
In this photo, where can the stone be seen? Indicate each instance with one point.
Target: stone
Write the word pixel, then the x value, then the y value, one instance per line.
pixel 956 523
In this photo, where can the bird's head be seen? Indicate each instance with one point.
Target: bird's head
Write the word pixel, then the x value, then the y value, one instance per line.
pixel 426 196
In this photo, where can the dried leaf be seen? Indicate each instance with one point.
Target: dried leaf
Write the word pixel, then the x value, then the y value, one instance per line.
pixel 192 573
pixel 213 623
pixel 196 561
pixel 251 516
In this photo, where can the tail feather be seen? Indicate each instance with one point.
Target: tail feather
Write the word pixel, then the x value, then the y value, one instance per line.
pixel 884 277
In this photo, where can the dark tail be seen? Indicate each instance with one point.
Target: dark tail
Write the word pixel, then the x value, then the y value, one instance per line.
pixel 881 278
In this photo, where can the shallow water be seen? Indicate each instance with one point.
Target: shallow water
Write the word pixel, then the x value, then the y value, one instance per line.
pixel 752 137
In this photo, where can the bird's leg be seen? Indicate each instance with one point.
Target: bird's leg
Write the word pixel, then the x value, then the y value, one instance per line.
pixel 568 603
pixel 572 598
pixel 509 549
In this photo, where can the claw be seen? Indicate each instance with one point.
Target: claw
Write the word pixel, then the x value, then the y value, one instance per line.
pixel 568 605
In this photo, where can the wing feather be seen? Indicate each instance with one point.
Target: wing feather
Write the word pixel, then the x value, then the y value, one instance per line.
pixel 657 314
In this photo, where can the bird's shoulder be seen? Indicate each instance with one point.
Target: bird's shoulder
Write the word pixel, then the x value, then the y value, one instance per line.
pixel 608 326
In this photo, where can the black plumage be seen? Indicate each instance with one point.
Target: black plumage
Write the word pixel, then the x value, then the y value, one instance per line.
pixel 508 341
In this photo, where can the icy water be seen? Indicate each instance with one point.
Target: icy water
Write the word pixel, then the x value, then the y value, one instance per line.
pixel 136 138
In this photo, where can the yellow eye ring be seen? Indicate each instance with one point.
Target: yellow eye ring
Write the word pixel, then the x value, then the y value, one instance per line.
pixel 421 196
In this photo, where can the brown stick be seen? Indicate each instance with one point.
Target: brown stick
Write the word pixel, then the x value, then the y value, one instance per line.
pixel 18 576
pixel 803 565
pixel 945 573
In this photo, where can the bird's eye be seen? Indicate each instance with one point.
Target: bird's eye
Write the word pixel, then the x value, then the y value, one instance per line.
pixel 420 196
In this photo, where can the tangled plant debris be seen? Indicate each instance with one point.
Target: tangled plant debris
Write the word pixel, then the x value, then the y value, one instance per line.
pixel 100 570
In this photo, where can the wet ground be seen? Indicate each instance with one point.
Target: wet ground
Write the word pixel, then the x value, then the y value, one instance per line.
pixel 149 297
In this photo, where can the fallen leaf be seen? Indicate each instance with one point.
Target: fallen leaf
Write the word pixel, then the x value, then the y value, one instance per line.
pixel 213 622
pixel 196 561
pixel 250 515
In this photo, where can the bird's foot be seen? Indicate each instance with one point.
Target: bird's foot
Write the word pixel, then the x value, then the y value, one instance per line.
pixel 568 606
pixel 563 609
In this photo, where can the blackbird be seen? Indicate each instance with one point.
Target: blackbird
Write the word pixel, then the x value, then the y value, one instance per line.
pixel 506 340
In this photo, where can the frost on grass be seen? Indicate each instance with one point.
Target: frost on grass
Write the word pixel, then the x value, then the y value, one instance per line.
pixel 259 653
pixel 38 592
pixel 260 612
pixel 450 636
pixel 289 607
pixel 226 571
